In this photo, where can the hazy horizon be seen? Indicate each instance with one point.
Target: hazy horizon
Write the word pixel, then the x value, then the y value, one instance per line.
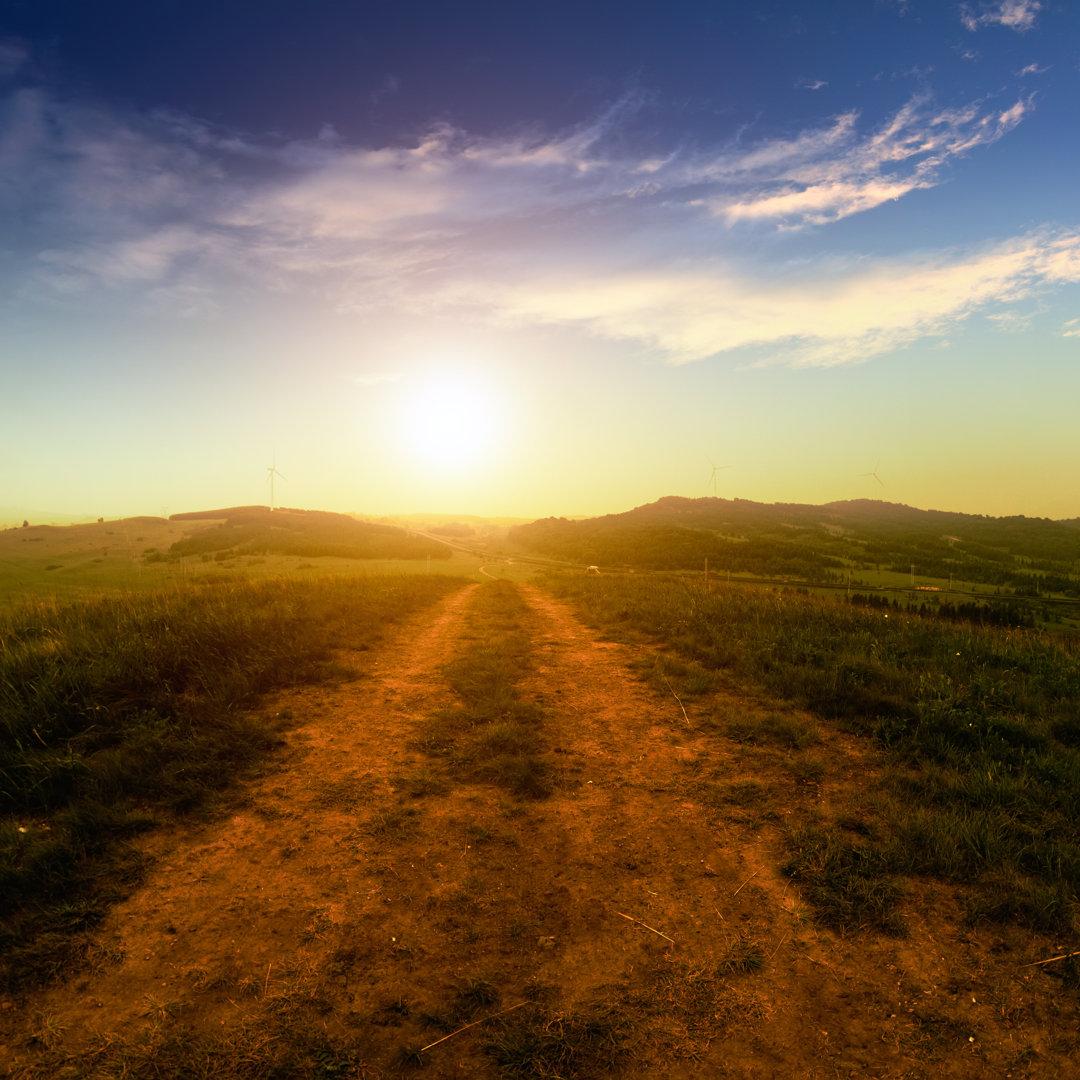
pixel 14 518
pixel 522 262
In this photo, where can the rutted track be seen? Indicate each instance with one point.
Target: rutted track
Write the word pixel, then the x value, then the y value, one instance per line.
pixel 361 884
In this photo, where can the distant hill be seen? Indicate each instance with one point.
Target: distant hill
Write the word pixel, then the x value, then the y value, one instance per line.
pixel 256 530
pixel 1039 538
pixel 815 543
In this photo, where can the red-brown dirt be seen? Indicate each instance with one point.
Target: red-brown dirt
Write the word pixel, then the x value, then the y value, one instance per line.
pixel 357 887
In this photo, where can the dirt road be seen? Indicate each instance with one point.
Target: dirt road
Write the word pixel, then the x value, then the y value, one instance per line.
pixel 361 902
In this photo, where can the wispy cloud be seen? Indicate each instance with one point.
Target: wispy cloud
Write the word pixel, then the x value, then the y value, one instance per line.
pixel 1032 69
pixel 823 317
pixel 516 230
pixel 811 84
pixel 13 56
pixel 1015 14
pixel 842 171
pixel 1071 328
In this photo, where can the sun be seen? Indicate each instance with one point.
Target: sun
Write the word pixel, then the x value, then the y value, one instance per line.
pixel 450 422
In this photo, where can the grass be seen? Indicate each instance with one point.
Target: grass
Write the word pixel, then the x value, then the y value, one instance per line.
pixel 541 1043
pixel 118 558
pixel 117 712
pixel 491 734
pixel 977 727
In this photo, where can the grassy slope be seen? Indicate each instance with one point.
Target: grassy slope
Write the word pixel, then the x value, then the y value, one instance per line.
pixel 121 557
pixel 878 542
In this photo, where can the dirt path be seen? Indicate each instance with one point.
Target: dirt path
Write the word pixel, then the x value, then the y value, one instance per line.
pixel 363 901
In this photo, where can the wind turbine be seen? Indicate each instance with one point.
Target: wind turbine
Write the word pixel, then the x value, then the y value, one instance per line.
pixel 874 475
pixel 271 472
pixel 715 469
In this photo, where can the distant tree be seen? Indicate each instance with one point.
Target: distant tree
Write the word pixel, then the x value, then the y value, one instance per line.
pixel 25 524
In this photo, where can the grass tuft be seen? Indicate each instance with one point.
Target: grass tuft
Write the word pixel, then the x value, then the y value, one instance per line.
pixel 535 1042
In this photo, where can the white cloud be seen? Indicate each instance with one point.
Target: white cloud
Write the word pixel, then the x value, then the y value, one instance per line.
pixel 1010 322
pixel 147 259
pixel 1017 15
pixel 1071 328
pixel 836 172
pixel 811 84
pixel 823 317
pixel 1033 69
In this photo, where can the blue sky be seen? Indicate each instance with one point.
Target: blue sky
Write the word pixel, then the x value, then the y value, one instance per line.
pixel 512 259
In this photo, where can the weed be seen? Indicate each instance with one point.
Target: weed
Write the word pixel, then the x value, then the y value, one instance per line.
pixel 535 1042
pixel 479 834
pixel 806 770
pixel 158 1009
pixel 392 822
pixel 783 729
pixel 742 792
pixel 409 1056
pixel 46 1030
pixel 742 957
pixel 421 784
pixel 690 1002
pixel 470 999
pixel 848 884
pixel 346 794
pixel 317 928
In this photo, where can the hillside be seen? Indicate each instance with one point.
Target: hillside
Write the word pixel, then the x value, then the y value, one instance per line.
pixel 256 530
pixel 819 543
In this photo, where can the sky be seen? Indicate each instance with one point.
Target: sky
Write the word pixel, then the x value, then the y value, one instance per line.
pixel 521 259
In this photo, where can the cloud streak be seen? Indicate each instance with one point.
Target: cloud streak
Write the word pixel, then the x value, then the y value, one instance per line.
pixel 838 171
pixel 846 315
pixel 1019 15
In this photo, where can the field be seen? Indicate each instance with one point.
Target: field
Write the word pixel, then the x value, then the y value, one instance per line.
pixel 1017 570
pixel 130 555
pixel 317 824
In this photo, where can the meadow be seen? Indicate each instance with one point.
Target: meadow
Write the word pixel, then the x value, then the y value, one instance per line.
pixel 145 555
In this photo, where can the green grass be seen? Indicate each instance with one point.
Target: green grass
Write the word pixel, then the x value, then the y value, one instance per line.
pixel 117 711
pixel 118 558
pixel 977 726
pixel 491 733
pixel 540 1043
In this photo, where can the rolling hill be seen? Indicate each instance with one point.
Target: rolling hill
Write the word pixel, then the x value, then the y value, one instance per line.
pixel 818 543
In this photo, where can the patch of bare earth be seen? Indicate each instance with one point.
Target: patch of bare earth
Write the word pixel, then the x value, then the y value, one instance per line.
pixel 363 902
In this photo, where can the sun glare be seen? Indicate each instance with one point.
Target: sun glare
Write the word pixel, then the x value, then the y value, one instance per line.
pixel 451 422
